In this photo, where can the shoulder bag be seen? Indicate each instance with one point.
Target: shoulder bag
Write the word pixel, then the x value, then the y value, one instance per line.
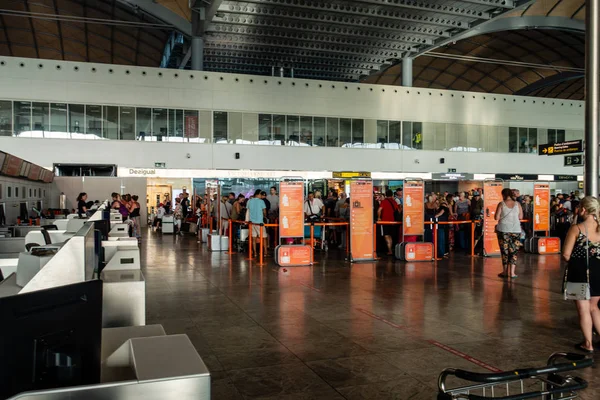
pixel 579 290
pixel 501 219
pixel 312 217
pixel 397 213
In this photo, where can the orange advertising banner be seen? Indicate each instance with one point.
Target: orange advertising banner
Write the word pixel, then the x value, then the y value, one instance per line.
pixel 296 255
pixel 541 207
pixel 418 251
pixel 549 245
pixel 291 212
pixel 361 220
pixel 492 195
pixel 413 208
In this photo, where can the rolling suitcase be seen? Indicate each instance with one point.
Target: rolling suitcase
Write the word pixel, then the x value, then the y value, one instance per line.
pixel 414 252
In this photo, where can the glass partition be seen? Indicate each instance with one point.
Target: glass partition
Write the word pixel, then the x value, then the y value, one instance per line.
pixel 110 126
pixel 345 132
pixel 220 125
pixel 76 121
pixel 160 124
pixel 190 126
pixel 318 131
pixel 58 121
pixel 306 130
pixel 22 118
pixel 358 132
pixel 279 129
pixel 513 140
pixel 6 114
pixel 333 132
pixel 143 122
pixel 127 123
pixel 293 130
pixel 40 119
pixel 206 120
pixel 395 135
pixel 93 121
pixel 175 131
pixel 265 127
pixel 383 132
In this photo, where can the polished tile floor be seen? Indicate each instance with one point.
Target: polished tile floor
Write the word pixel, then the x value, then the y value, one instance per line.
pixel 380 330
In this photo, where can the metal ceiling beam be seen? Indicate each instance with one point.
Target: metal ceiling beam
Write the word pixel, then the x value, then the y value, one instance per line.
pixel 312 37
pixel 59 27
pixel 343 49
pixel 549 81
pixel 285 8
pixel 291 59
pixel 37 51
pixel 291 27
pixel 8 41
pixel 429 7
pixel 162 13
pixel 302 65
pixel 512 23
pixel 355 22
pixel 332 70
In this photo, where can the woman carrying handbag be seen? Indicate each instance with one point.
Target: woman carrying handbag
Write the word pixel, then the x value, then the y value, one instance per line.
pixel 582 275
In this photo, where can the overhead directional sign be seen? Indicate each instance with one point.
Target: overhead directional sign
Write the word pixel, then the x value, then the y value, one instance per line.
pixel 556 149
pixel 574 161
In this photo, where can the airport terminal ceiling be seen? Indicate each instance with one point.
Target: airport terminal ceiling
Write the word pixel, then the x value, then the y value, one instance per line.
pixel 533 48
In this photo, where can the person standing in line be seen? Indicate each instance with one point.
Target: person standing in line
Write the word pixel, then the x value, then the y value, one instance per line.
pixel 582 252
pixel 386 213
pixel 178 216
pixel 160 213
pixel 257 212
pixel 509 215
pixel 225 211
pixel 135 216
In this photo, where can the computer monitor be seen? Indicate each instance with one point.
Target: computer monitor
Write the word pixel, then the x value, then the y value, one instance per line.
pixel 104 227
pixel 51 338
pixel 91 261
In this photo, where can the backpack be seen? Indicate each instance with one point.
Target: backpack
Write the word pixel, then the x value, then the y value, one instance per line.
pixel 397 212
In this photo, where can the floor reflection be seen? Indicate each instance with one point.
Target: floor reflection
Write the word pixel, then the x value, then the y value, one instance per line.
pixel 372 330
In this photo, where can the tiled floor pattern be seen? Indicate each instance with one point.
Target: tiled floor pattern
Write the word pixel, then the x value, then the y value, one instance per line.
pixel 365 331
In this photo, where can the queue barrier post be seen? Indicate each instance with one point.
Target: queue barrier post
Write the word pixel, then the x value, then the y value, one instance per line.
pixel 472 238
pixel 250 241
pixel 230 237
pixel 260 246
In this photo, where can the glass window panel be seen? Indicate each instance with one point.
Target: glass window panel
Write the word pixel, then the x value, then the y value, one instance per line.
pixel 265 127
pixel 407 135
pixel 306 130
pixel 127 123
pixel 358 131
pixel 160 128
pixel 438 131
pixel 345 132
pixel 235 127
pixel 206 121
pixel 513 140
pixel 58 121
pixel 93 121
pixel 143 122
pixel 191 126
pixel 249 129
pixel 22 118
pixel 395 134
pixel 175 133
pixel 110 127
pixel 382 132
pixel 40 119
pixel 551 136
pixel 523 140
pixel 473 138
pixel 6 118
pixel 220 127
pixel 77 121
pixel 533 134
pixel 293 130
pixel 279 129
pixel 417 135
pixel 319 131
pixel 333 132
pixel 560 135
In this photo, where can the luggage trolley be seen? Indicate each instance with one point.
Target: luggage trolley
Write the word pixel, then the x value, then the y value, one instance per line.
pixel 547 383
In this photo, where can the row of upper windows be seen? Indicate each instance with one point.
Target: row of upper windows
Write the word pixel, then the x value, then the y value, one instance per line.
pixel 79 121
pixel 20 192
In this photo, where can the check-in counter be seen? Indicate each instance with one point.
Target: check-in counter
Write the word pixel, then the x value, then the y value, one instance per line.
pixel 55 237
pixel 123 259
pixel 141 362
pixel 23 230
pixel 123 298
pixel 119 230
pixel 112 246
pixel 8 266
pixel 11 247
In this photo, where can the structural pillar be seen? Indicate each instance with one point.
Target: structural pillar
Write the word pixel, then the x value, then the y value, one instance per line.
pixel 407 71
pixel 592 97
pixel 197 53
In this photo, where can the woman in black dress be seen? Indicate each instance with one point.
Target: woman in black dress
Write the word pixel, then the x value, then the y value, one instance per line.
pixel 582 252
pixel 81 205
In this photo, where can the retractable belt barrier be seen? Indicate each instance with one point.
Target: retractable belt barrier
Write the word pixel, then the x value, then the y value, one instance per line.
pixel 473 224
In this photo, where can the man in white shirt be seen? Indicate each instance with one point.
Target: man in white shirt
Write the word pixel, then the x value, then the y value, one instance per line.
pixel 225 212
pixel 274 202
pixel 312 206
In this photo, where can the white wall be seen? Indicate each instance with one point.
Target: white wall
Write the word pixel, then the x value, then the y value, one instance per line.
pixel 204 156
pixel 125 85
pixel 101 188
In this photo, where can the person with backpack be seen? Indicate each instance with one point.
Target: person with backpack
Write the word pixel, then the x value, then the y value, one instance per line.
pixel 389 212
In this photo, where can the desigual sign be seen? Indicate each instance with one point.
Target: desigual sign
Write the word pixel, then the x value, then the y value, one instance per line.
pixel 141 171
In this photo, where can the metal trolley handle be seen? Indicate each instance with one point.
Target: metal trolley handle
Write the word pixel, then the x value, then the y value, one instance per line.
pixel 577 361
